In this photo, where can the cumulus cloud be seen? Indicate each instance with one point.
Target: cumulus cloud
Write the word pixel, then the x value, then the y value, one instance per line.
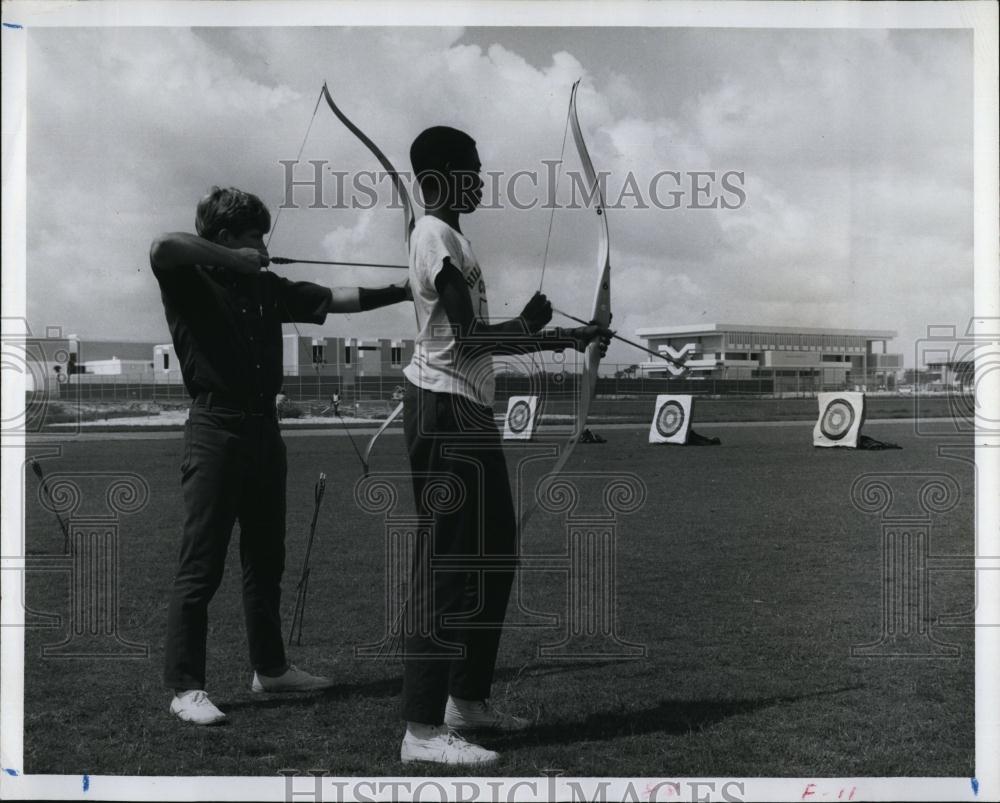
pixel 854 147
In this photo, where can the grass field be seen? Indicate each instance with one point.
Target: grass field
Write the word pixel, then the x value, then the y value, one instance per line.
pixel 747 574
pixel 59 415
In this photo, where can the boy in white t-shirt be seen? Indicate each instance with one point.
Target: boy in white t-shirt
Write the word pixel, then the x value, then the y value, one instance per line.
pixel 464 562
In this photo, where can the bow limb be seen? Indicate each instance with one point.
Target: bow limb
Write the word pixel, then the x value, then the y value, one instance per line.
pixel 602 294
pixel 397 181
pixel 408 223
pixel 366 460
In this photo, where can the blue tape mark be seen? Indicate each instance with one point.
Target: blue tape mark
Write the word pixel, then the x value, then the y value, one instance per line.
pixel 975 785
pixel 10 772
pixel 86 782
pixel 12 25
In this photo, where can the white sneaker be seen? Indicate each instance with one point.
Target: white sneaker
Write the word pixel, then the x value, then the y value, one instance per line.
pixel 477 714
pixel 294 679
pixel 443 746
pixel 194 706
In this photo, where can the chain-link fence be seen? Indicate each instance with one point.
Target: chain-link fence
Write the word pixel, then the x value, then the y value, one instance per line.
pixel 620 395
pixel 550 380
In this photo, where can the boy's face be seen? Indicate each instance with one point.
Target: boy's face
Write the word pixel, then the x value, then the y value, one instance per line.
pixel 468 184
pixel 249 238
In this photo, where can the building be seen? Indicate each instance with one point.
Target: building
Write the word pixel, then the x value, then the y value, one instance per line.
pixel 349 358
pixel 952 375
pixel 346 357
pixel 55 359
pixel 81 361
pixel 45 362
pixel 794 358
pixel 104 358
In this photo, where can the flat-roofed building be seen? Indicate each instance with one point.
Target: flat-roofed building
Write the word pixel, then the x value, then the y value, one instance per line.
pixel 952 374
pixel 346 357
pixel 58 364
pixel 70 358
pixel 791 356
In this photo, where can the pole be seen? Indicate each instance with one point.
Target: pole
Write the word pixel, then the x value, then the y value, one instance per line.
pixel 303 584
pixel 35 467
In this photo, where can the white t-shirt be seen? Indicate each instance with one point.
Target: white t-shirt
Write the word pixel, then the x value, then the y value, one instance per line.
pixel 436 365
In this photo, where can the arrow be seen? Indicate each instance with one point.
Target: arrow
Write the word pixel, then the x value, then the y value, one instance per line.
pixel 288 261
pixel 678 363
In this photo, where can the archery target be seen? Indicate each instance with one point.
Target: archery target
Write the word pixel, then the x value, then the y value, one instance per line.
pixel 671 419
pixel 519 423
pixel 840 419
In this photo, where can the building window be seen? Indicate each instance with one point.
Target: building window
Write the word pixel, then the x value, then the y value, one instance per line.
pixel 319 354
pixel 396 356
pixel 347 355
pixel 166 361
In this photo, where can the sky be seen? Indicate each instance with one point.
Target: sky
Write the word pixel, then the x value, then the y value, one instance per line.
pixel 854 146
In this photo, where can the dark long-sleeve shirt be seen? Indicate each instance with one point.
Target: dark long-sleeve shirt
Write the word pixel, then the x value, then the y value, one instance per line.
pixel 226 328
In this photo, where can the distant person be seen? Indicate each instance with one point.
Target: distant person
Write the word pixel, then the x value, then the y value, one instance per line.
pixel 281 405
pixel 450 431
pixel 335 401
pixel 225 318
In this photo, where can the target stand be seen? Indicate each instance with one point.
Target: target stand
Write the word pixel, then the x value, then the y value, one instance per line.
pixel 671 420
pixel 522 414
pixel 840 418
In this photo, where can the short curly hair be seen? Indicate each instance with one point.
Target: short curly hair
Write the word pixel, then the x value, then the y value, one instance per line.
pixel 232 209
pixel 434 148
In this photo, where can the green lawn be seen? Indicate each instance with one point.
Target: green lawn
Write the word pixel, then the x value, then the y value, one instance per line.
pixel 747 574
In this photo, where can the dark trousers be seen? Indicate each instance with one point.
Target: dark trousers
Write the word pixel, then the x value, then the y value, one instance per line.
pixel 463 566
pixel 234 467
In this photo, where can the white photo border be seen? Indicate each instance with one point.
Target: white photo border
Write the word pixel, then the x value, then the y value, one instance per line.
pixel 980 17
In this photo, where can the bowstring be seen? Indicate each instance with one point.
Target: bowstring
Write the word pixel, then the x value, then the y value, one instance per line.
pixel 267 244
pixel 298 156
pixel 552 210
pixel 552 214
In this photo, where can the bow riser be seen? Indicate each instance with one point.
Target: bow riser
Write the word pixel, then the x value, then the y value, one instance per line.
pixel 602 296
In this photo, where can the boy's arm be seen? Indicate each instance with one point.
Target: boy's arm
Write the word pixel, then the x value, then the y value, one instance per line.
pixel 179 250
pixel 362 299
pixel 307 302
pixel 517 336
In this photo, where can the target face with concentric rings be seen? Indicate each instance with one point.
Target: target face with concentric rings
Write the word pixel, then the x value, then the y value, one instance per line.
pixel 837 419
pixel 519 417
pixel 670 419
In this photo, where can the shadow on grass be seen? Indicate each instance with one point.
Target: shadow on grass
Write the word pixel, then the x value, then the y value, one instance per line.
pixel 673 717
pixel 385 687
pixel 553 666
pixel 391 687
